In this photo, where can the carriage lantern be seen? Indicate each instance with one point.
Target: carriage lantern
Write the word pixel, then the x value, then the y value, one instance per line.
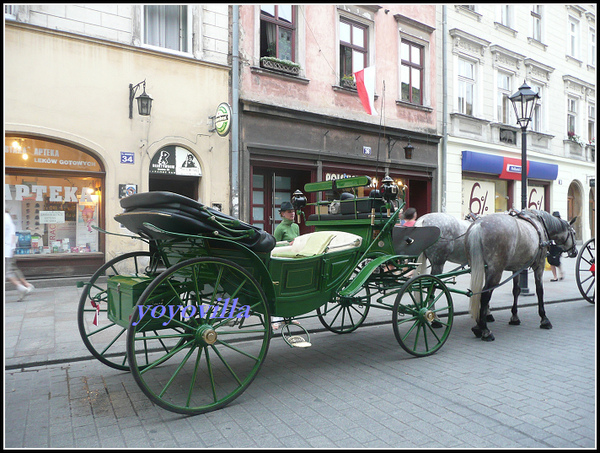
pixel 298 200
pixel 390 189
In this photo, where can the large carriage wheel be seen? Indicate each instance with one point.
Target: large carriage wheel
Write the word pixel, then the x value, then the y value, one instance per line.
pixel 203 359
pixel 585 271
pixel 345 315
pixel 105 339
pixel 423 315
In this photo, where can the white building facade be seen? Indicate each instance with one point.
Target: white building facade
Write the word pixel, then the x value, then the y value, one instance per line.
pixel 487 51
pixel 75 143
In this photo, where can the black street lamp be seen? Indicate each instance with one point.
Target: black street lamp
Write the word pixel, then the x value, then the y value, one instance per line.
pixel 524 102
pixel 144 101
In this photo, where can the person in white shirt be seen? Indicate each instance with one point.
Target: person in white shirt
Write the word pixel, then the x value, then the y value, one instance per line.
pixel 12 272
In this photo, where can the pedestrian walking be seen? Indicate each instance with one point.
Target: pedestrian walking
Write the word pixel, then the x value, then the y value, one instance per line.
pixel 12 272
pixel 554 253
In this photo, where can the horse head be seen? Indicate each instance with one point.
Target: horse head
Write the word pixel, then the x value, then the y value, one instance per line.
pixel 561 232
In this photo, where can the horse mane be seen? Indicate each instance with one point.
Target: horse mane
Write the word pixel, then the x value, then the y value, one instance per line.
pixel 553 225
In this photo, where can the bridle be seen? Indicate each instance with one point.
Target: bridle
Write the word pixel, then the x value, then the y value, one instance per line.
pixel 572 251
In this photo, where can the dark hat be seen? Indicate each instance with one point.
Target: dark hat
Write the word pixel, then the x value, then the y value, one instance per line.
pixel 556 214
pixel 286 206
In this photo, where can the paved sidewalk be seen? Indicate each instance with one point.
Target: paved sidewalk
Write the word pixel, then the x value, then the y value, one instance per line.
pixel 43 327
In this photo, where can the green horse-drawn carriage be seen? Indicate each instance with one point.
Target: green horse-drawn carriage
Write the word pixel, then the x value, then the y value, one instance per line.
pixel 191 317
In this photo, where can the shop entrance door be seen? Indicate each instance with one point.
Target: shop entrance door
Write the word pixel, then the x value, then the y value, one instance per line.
pixel 183 185
pixel 270 188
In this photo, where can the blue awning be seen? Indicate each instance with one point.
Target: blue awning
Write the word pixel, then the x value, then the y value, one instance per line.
pixel 507 167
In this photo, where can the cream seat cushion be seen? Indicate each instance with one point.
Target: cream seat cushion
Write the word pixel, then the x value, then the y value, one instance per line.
pixel 317 243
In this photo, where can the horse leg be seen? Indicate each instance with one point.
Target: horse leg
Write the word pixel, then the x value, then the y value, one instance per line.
pixel 481 330
pixel 514 319
pixel 539 291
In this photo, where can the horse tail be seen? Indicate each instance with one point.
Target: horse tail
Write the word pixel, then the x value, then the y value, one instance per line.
pixel 476 262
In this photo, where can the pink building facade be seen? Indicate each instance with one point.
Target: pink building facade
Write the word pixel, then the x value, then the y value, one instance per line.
pixel 300 115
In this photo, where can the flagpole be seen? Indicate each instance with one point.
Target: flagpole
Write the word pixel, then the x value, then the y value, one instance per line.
pixel 379 135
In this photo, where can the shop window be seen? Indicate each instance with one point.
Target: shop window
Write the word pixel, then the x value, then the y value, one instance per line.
pixel 54 208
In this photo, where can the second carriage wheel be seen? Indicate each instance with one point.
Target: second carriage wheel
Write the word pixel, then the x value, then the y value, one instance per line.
pixel 103 338
pixel 345 315
pixel 422 316
pixel 585 271
pixel 199 335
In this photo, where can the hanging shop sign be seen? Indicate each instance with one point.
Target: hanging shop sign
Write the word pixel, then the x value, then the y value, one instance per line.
pixel 175 160
pixel 223 119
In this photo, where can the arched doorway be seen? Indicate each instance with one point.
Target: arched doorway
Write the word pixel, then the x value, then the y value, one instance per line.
pixel 175 169
pixel 574 206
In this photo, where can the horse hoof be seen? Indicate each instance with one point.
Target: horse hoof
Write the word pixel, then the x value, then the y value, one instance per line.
pixel 514 322
pixel 546 324
pixel 490 318
pixel 477 331
pixel 489 336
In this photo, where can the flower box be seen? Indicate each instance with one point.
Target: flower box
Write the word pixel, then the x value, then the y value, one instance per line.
pixel 285 66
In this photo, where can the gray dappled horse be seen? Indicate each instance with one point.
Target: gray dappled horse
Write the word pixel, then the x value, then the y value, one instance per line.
pixel 450 246
pixel 512 242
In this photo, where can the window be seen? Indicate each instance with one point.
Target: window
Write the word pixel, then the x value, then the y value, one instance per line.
pixel 353 47
pixel 573 42
pixel 278 31
pixel 166 26
pixel 536 17
pixel 10 11
pixel 505 15
pixel 571 117
pixel 504 91
pixel 537 117
pixel 592 54
pixel 466 86
pixel 411 72
pixel 591 124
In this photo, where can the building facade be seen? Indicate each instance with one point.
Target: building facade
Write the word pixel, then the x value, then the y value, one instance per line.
pixel 486 52
pixel 301 118
pixel 75 143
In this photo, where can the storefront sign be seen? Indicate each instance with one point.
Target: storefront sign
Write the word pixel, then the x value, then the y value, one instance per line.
pixel 175 160
pixel 29 153
pixel 535 197
pixel 478 197
pixel 52 217
pixel 51 193
pixel 223 119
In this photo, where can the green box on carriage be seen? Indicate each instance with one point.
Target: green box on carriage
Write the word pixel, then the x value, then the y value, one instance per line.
pixel 123 295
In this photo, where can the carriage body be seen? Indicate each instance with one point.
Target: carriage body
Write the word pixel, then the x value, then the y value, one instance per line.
pixel 233 279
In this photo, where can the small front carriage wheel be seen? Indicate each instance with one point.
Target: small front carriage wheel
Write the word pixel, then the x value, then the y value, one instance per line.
pixel 346 315
pixel 422 315
pixel 200 331
pixel 103 338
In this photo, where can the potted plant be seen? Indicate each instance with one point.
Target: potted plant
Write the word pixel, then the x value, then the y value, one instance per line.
pixel 286 66
pixel 348 82
pixel 574 138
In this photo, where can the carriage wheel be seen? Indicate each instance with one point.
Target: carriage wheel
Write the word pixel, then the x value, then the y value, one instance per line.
pixel 585 271
pixel 106 340
pixel 202 359
pixel 345 315
pixel 422 316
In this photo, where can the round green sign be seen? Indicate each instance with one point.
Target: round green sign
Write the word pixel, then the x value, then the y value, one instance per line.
pixel 223 119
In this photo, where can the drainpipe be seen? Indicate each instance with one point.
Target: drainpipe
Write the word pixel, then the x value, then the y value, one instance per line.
pixel 444 107
pixel 235 102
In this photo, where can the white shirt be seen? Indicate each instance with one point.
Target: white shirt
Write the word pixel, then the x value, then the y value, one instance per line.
pixel 9 235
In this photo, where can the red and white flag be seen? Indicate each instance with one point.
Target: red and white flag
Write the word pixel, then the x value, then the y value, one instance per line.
pixel 365 85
